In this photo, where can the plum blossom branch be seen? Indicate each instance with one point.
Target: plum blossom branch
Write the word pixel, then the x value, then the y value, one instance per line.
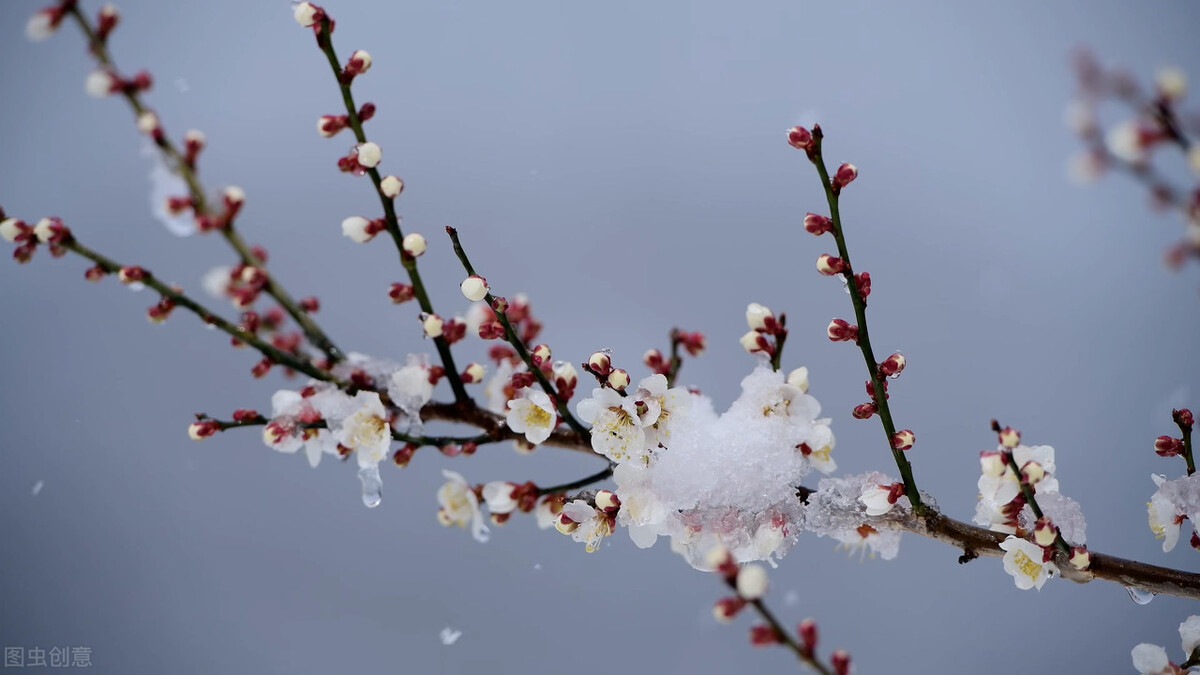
pixel 407 259
pixel 185 166
pixel 858 286
pixel 576 484
pixel 136 274
pixel 417 440
pixel 510 334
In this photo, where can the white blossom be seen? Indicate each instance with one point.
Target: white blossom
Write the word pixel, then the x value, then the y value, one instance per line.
pixel 877 500
pixel 499 497
pixel 41 25
pixel 617 429
pixel 1151 659
pixel 593 525
pixel 1024 561
pixel 460 506
pixel 367 431
pixel 533 414
pixel 1189 633
pixel 662 405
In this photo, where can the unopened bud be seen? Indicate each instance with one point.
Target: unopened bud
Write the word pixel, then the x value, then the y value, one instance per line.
pixel 841 331
pixel 1044 533
pixel 399 292
pixel 1010 437
pixel 147 123
pixel 762 635
pixel 1167 446
pixel 391 186
pixel 845 174
pixel 607 501
pixel 306 13
pixel 369 155
pixel 100 83
pixel 754 342
pixel 808 635
pixel 11 228
pixel 1183 417
pixel 360 62
pixel 600 363
pixel 618 379
pixel 654 360
pixel 1032 472
pixel 830 265
pixel 201 430
pixel 721 561
pixel 726 608
pixel 94 273
pixel 1081 558
pixel 800 138
pixel 893 365
pixel 432 324
pixel 840 660
pixel 473 373
pixel 864 411
pixel 752 582
pixel 565 525
pixel 540 354
pixel 414 244
pixel 474 288
pixel 759 317
pixel 131 274
pixel 1171 84
pixel 903 439
pixel 817 224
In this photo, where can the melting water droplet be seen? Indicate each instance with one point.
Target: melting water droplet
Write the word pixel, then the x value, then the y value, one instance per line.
pixel 135 286
pixel 1139 596
pixel 372 486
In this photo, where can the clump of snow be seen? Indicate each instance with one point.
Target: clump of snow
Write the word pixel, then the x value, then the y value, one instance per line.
pixel 706 480
pixel 835 510
pixel 165 183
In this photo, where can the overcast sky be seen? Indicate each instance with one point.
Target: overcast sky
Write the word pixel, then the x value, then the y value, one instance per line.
pixel 624 164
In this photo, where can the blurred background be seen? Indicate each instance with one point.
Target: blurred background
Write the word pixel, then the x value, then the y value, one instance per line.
pixel 625 165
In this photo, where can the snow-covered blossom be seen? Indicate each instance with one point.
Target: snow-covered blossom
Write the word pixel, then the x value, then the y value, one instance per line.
pixel 1174 501
pixel 878 499
pixel 1027 563
pixel 798 378
pixel 409 387
pixel 290 411
pixel 999 486
pixel 533 414
pixel 585 524
pixel 836 510
pixel 460 506
pixel 1189 634
pixel 662 405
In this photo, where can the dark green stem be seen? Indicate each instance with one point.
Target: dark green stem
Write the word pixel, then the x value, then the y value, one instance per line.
pixel 1030 499
pixel 200 204
pixel 283 358
pixel 581 483
pixel 864 336
pixel 511 335
pixel 325 40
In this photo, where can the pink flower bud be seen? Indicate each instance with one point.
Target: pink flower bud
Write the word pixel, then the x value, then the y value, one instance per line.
pixel 245 415
pixel 261 368
pixel 841 331
pixel 131 274
pixel 360 62
pixel 992 463
pixel 106 20
pixel 193 143
pixel 863 411
pixel 1167 446
pixel 762 635
pixel 330 125
pixel 1183 417
pixel 893 365
pixel 800 138
pixel 830 265
pixel 863 281
pixel 404 455
pixel 233 197
pixel 540 354
pixel 817 224
pixel 840 660
pixel 491 330
pixel 808 635
pixel 94 273
pixel 845 174
pixel 1032 472
pixel 726 609
pixel 399 292
pixel 366 112
pixel 903 439
pixel 310 305
pixel 203 429
pixel 307 14
pixel 721 561
pixel 755 342
pixel 694 342
pixel 654 360
pixel 148 124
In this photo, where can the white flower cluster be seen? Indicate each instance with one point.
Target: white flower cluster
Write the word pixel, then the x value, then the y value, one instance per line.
pixel 1152 659
pixel 707 480
pixel 1001 506
pixel 360 424
pixel 1171 503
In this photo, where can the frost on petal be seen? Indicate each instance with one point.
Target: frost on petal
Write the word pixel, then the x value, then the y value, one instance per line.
pixel 409 386
pixel 1150 659
pixel 1023 560
pixel 163 184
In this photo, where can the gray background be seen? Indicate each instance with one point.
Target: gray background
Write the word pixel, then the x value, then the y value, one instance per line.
pixel 625 164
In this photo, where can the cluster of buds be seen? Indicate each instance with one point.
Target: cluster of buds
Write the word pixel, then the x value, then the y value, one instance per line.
pixel 48 231
pixel 362 158
pixel 599 364
pixel 104 82
pixel 232 199
pixel 693 343
pixel 329 125
pixel 766 332
pixel 801 138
